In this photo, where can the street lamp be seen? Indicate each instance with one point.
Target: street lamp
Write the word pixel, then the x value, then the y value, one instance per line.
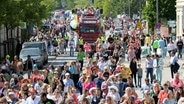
pixel 130 1
pixel 157 20
pixel 157 11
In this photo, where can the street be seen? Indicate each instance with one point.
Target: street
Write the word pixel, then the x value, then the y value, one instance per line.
pixel 58 60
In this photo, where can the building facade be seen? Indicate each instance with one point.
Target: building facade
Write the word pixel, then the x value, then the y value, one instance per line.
pixel 179 17
pixel 8 43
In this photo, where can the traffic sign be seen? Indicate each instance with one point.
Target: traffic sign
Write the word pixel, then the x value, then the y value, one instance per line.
pixel 171 23
pixel 157 25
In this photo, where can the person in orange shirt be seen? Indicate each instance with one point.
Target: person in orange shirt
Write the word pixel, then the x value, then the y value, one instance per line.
pixel 163 94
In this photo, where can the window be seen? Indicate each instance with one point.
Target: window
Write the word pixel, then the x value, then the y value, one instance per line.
pixel 91 29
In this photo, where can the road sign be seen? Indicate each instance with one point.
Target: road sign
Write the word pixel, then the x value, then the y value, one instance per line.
pixel 157 25
pixel 23 25
pixel 171 23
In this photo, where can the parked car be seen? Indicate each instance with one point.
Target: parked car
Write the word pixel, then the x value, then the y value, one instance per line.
pixel 118 31
pixel 35 54
pixel 40 45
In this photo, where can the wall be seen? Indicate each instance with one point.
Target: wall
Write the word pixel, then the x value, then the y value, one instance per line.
pixel 8 46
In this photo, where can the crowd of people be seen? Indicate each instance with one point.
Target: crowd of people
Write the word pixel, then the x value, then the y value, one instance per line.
pixel 104 79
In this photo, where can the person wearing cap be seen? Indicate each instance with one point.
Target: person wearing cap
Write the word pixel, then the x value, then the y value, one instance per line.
pixel 7 60
pixel 113 92
pixel 12 98
pixel 93 97
pixel 33 98
pixel 68 81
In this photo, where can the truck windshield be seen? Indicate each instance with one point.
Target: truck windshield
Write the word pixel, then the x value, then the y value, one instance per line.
pixel 92 29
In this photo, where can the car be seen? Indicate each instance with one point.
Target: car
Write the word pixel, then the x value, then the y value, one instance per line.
pixel 35 54
pixel 118 31
pixel 41 45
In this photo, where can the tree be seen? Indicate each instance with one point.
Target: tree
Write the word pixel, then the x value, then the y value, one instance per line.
pixel 70 4
pixel 166 11
pixel 33 11
pixel 119 6
pixel 82 3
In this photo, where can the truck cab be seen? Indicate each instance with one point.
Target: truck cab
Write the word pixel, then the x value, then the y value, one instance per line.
pixel 89 28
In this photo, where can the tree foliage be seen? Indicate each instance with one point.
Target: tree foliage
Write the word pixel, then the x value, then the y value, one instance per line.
pixel 31 11
pixel 166 11
pixel 109 6
pixel 82 3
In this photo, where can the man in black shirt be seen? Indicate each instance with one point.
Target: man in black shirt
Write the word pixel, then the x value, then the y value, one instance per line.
pixel 180 47
pixel 110 39
pixel 45 100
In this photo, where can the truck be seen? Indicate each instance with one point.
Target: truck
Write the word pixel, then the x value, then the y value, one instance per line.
pixel 89 28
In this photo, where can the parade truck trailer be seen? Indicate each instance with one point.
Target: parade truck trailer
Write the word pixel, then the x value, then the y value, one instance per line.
pixel 89 28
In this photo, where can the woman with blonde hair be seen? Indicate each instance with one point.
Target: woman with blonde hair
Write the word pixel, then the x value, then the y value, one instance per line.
pixel 155 91
pixel 127 95
pixel 109 100
pixel 84 101
pixel 170 98
pixel 147 98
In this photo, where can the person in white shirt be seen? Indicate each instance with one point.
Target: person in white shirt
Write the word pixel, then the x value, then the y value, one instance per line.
pixel 68 81
pixel 50 94
pixel 33 99
pixel 170 47
pixel 157 68
pixel 113 92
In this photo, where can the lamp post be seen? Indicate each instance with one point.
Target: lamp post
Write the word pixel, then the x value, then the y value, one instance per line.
pixel 157 11
pixel 130 1
pixel 157 19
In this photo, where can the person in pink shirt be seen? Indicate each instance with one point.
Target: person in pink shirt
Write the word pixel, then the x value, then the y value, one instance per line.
pixel 88 83
pixel 177 82
pixel 87 47
pixel 36 74
pixel 131 53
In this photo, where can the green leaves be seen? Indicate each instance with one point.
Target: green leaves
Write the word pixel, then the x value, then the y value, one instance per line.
pixel 31 11
pixel 166 11
pixel 114 6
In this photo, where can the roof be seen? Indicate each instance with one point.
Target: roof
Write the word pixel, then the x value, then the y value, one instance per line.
pixel 30 49
pixel 33 42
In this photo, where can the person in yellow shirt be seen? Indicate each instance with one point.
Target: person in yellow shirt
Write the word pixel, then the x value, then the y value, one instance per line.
pixel 148 40
pixel 125 72
pixel 103 38
pixel 81 42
